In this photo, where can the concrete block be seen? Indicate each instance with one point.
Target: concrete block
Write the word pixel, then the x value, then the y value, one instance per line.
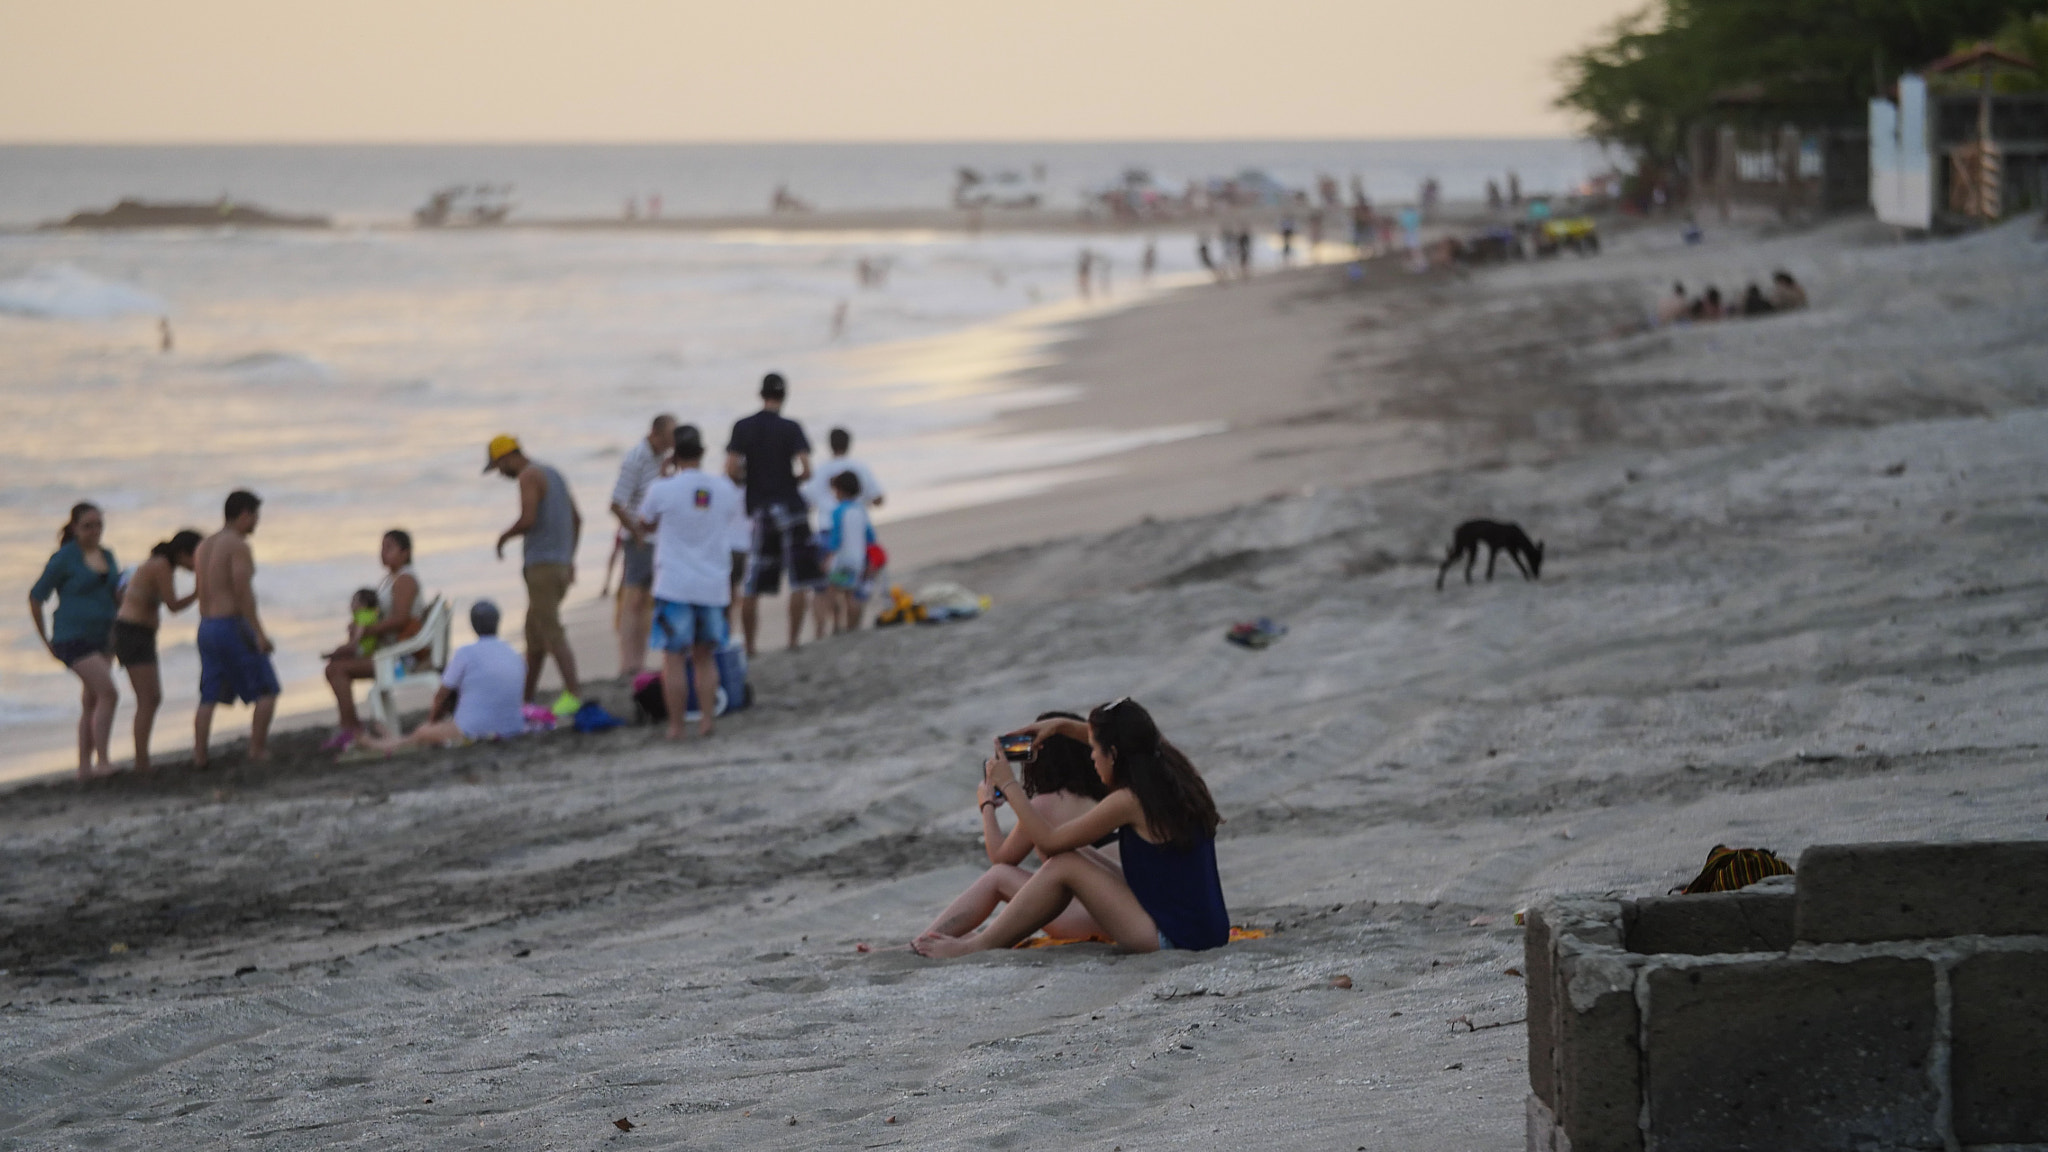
pixel 1865 893
pixel 1599 1059
pixel 1712 922
pixel 1999 1059
pixel 1539 976
pixel 1791 1054
pixel 1593 920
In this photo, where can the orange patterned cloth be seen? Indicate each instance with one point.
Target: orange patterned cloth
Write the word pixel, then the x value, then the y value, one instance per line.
pixel 1043 941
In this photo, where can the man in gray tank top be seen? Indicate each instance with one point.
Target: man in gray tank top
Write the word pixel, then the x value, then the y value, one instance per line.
pixel 552 526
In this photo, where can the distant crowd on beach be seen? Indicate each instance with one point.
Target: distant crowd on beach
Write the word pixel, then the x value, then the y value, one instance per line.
pixel 699 548
pixel 1679 307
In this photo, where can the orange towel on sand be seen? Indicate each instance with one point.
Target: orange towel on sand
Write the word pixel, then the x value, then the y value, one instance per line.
pixel 1043 941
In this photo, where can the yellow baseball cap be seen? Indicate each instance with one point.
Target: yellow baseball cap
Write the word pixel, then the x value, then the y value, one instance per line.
pixel 501 446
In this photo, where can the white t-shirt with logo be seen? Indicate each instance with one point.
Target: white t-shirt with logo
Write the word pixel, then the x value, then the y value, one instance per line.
pixel 490 679
pixel 692 513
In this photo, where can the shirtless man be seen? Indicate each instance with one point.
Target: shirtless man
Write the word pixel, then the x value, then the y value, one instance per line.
pixel 151 589
pixel 234 651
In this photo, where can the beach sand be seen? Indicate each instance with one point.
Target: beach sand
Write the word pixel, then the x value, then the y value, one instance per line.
pixel 1791 596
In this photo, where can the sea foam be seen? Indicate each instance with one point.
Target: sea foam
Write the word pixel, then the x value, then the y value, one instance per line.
pixel 67 292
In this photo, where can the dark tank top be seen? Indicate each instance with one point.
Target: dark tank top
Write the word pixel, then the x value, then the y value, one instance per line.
pixel 1178 888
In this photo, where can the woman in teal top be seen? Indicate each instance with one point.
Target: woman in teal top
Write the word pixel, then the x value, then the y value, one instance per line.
pixel 84 576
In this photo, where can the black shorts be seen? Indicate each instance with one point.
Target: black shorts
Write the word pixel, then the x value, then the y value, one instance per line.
pixel 134 644
pixel 70 652
pixel 782 538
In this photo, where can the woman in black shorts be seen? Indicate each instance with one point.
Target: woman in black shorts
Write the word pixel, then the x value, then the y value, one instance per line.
pixel 82 575
pixel 151 587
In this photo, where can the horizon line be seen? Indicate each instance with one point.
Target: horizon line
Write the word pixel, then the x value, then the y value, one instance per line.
pixel 1020 141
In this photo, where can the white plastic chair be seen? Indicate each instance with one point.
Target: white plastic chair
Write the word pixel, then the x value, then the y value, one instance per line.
pixel 394 661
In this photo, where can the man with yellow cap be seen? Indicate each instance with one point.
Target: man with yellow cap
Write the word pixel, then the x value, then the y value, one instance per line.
pixel 551 526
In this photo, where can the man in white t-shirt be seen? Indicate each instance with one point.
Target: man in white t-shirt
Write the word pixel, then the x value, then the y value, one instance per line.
pixel 637 473
pixel 689 515
pixel 487 681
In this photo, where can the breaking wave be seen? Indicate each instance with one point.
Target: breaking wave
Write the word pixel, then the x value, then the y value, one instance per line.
pixel 66 292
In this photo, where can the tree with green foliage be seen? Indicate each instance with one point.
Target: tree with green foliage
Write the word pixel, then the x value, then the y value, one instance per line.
pixel 1661 70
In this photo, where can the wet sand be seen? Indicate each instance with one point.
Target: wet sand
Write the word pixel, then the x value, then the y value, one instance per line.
pixel 1791 595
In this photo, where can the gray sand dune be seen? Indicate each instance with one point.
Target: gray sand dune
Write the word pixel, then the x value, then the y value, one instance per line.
pixel 1753 626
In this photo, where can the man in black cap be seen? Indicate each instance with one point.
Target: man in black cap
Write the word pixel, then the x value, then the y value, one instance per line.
pixel 769 454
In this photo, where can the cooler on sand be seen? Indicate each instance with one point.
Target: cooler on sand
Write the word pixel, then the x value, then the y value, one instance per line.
pixel 734 693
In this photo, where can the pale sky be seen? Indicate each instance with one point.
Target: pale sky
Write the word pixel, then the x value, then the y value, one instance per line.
pixel 782 70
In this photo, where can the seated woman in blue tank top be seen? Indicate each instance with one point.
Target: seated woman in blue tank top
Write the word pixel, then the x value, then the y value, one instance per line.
pixel 1168 894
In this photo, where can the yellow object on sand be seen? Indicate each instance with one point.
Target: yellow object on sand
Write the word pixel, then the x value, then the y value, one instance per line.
pixel 1237 936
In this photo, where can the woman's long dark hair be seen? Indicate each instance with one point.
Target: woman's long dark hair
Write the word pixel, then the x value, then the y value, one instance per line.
pixel 1177 805
pixel 184 543
pixel 1062 764
pixel 69 532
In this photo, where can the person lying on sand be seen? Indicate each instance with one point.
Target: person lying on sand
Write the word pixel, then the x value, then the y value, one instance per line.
pixel 486 683
pixel 1168 894
pixel 1060 785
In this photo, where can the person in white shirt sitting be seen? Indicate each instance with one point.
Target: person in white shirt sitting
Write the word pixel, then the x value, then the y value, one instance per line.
pixel 486 683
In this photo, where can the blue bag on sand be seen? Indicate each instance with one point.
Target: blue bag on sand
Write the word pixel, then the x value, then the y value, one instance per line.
pixel 732 680
pixel 593 718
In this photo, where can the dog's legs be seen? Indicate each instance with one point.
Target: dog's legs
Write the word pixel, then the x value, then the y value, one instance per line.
pixel 1492 555
pixel 1449 559
pixel 1471 558
pixel 1523 568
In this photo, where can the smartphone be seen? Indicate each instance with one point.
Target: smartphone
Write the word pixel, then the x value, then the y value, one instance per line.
pixel 1017 746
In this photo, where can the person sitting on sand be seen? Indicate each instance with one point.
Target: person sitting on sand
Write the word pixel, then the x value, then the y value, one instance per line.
pixel 487 683
pixel 1786 294
pixel 1754 303
pixel 1708 306
pixel 1168 894
pixel 151 588
pixel 1674 307
pixel 1060 784
pixel 397 603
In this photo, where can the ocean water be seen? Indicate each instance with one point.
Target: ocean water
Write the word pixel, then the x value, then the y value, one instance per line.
pixel 352 377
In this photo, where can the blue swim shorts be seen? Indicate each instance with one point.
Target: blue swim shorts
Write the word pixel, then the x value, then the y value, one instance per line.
pixel 231 667
pixel 678 626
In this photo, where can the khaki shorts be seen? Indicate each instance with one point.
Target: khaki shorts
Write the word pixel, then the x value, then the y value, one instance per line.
pixel 546 586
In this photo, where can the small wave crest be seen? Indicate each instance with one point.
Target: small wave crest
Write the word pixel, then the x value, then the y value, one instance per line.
pixel 67 292
pixel 278 368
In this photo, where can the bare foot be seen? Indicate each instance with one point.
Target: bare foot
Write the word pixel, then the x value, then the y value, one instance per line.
pixel 704 729
pixel 940 947
pixel 675 732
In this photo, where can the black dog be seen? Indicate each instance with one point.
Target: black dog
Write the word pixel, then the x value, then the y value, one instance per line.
pixel 1497 537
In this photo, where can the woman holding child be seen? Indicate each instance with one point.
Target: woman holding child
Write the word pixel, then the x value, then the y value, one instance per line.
pixel 398 608
pixel 1167 894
